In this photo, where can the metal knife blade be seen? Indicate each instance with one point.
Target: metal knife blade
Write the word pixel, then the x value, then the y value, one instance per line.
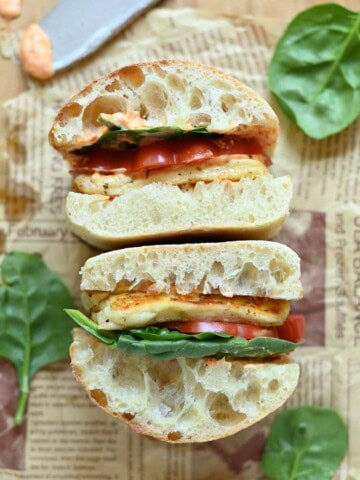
pixel 77 28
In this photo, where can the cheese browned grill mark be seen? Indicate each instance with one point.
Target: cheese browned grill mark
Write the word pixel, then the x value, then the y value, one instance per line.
pixel 229 167
pixel 138 309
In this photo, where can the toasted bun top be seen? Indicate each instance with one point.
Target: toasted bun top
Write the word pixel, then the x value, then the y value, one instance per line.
pixel 166 93
pixel 255 268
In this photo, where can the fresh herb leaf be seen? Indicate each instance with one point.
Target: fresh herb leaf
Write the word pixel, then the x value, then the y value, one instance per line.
pixel 315 70
pixel 165 344
pixel 33 328
pixel 90 326
pixel 118 138
pixel 305 443
pixel 193 347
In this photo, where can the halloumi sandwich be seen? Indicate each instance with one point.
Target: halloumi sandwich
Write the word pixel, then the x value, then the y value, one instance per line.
pixel 170 149
pixel 189 343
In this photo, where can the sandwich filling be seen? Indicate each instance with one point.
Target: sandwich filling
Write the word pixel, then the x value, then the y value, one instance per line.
pixel 228 169
pixel 195 325
pixel 188 149
pixel 125 151
pixel 138 309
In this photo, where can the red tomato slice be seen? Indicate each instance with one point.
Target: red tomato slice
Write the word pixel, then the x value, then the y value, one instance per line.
pixel 165 153
pixel 293 329
pixel 243 330
pixel 106 160
pixel 155 155
pixel 190 151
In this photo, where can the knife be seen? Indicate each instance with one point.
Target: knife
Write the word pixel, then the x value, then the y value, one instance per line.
pixel 72 30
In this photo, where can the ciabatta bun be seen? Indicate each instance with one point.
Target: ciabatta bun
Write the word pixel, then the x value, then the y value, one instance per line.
pixel 253 268
pixel 166 93
pixel 181 400
pixel 248 209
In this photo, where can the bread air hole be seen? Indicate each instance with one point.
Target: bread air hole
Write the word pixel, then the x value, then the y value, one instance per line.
pixel 250 272
pixel 152 257
pixel 176 83
pixel 279 273
pixel 129 374
pixel 144 113
pixel 221 410
pixel 237 370
pixel 99 397
pixel 155 96
pixel 227 102
pixel 174 436
pixel 274 385
pixel 114 86
pixel 200 120
pixel 169 381
pixel 188 277
pixel 160 72
pixel 196 98
pixel 253 392
pixel 166 373
pixel 221 84
pixel 132 76
pixel 128 416
pixel 72 110
pixel 217 269
pixel 103 104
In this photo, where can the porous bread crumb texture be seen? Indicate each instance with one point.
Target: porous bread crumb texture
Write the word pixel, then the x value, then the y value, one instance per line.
pixel 181 400
pixel 166 93
pixel 159 208
pixel 254 268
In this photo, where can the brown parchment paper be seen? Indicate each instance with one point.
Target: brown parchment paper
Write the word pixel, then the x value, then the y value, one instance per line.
pixel 65 437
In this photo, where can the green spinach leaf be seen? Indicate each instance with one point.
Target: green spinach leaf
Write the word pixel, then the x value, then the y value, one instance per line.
pixel 165 344
pixel 119 138
pixel 315 70
pixel 305 443
pixel 33 328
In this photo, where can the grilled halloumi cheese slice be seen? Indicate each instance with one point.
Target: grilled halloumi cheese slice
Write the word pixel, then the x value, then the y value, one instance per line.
pixel 137 309
pixel 229 167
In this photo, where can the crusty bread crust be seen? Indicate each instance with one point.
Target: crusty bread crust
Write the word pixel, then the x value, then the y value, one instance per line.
pixel 252 268
pixel 166 93
pixel 182 400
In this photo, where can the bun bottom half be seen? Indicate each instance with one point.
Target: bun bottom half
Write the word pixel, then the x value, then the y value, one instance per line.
pixel 252 209
pixel 181 400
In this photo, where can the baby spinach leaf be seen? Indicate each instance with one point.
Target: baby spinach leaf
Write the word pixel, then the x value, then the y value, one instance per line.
pixel 91 327
pixel 162 343
pixel 33 328
pixel 315 70
pixel 305 443
pixel 213 346
pixel 119 138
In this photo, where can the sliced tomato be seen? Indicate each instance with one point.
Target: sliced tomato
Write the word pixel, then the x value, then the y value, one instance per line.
pixel 293 329
pixel 166 153
pixel 243 330
pixel 106 160
pixel 153 156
